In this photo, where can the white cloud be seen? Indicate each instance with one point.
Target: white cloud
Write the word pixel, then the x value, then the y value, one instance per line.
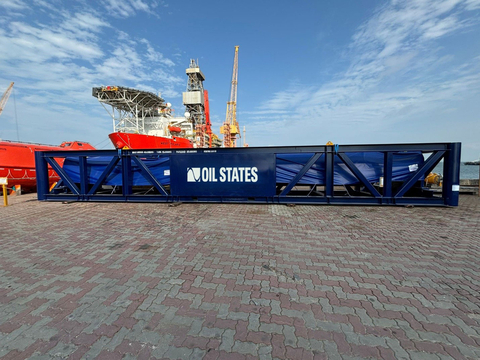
pixel 287 99
pixel 26 42
pixel 472 4
pixel 398 74
pixel 433 29
pixel 56 61
pixel 128 8
pixel 155 56
pixel 84 24
pixel 13 4
pixel 140 5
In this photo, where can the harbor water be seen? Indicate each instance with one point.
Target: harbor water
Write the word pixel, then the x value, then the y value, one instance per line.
pixel 466 171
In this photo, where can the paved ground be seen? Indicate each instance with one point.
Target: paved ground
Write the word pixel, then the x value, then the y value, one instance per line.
pixel 106 281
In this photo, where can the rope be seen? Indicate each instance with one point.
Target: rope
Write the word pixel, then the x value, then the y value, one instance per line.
pixel 100 143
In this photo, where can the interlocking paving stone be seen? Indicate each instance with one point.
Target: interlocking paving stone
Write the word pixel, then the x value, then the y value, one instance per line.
pixel 215 281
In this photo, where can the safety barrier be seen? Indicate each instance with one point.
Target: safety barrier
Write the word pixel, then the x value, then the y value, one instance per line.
pixel 389 174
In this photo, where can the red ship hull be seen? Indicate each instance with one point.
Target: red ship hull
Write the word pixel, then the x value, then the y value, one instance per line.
pixel 140 141
pixel 17 161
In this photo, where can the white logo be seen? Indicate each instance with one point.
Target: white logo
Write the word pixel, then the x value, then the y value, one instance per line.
pixel 225 174
pixel 193 174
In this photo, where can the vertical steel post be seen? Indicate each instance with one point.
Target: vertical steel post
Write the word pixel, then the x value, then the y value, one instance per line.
pixel 42 175
pixel 329 162
pixel 83 175
pixel 127 176
pixel 451 174
pixel 387 177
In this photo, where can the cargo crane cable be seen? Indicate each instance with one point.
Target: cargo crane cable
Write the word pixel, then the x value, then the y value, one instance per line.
pixel 101 142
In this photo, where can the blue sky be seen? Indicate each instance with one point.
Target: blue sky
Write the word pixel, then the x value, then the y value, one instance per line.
pixel 362 71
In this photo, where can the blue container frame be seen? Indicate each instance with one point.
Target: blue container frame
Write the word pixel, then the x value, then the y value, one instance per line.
pixel 409 192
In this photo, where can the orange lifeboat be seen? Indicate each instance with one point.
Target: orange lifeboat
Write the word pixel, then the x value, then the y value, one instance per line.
pixel 17 161
pixel 174 129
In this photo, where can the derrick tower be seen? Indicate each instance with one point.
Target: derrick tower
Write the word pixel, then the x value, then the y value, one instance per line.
pixel 230 129
pixel 195 100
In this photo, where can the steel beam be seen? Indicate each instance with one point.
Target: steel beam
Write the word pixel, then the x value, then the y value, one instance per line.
pixel 359 174
pixel 103 176
pixel 149 176
pixel 427 166
pixel 63 175
pixel 300 174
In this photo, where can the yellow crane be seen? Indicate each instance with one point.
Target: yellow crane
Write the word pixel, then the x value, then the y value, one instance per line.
pixel 5 97
pixel 230 128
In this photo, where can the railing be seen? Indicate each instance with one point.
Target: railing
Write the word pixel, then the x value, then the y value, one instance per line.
pixel 390 174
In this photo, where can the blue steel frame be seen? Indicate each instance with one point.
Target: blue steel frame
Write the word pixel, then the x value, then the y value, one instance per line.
pixel 408 192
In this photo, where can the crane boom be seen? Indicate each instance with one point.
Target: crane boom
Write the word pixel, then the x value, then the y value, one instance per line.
pixel 6 94
pixel 230 128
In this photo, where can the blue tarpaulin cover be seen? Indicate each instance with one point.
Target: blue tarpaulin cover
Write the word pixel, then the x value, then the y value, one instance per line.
pixel 159 167
pixel 287 166
pixel 370 165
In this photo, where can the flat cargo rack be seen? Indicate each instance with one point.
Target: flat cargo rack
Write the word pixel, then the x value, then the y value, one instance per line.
pixel 388 174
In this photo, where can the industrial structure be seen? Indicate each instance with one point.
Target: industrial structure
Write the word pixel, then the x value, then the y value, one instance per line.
pixel 388 174
pixel 196 103
pixel 143 120
pixel 245 144
pixel 6 95
pixel 230 128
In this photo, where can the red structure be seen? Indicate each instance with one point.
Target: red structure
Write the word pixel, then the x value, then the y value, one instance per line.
pixel 17 161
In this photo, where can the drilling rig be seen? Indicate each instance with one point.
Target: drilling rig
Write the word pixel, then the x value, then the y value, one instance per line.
pixel 230 129
pixel 195 100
